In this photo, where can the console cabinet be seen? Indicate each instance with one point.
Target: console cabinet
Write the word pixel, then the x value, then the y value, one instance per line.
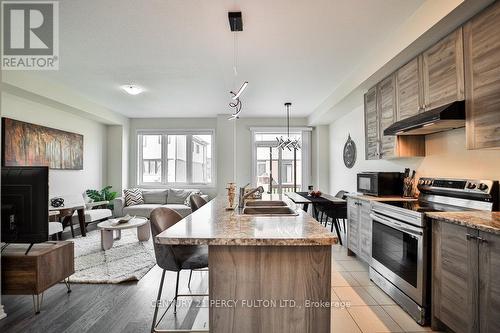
pixel 359 228
pixel 465 270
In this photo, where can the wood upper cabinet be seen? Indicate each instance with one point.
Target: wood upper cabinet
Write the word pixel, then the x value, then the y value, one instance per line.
pixel 482 79
pixel 465 290
pixel 433 79
pixel 371 125
pixel 443 72
pixel 380 113
pixel 408 90
pixel 386 99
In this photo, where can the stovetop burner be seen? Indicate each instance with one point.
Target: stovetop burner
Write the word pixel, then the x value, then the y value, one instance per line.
pixel 425 207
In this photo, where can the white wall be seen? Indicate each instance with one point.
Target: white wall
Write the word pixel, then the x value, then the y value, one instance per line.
pixel 224 152
pixel 117 157
pixel 65 182
pixel 320 156
pixel 446 156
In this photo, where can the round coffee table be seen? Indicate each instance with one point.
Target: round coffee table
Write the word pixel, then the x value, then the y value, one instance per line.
pixel 109 227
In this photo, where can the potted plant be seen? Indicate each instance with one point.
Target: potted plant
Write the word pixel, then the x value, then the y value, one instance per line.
pixel 103 195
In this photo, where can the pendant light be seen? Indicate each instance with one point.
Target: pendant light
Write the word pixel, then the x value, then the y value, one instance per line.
pixel 288 143
pixel 236 102
pixel 236 25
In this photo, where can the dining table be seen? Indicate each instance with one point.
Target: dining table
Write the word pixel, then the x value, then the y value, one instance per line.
pixel 324 200
pixel 334 207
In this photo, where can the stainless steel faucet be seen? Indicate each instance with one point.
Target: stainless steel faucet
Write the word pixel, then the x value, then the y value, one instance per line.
pixel 243 196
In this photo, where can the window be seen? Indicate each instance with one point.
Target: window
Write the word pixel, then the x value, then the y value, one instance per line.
pixel 280 170
pixel 151 158
pixel 175 157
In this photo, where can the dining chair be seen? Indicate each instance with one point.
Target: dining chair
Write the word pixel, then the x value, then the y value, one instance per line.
pixel 342 194
pixel 173 257
pixel 337 213
pixel 196 202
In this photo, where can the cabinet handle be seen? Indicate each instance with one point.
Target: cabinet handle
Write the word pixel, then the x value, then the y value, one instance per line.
pixel 469 237
pixel 482 240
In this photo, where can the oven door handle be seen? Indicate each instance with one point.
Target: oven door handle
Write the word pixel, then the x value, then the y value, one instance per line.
pixel 396 225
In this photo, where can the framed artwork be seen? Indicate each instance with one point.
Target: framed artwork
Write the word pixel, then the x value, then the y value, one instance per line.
pixel 25 144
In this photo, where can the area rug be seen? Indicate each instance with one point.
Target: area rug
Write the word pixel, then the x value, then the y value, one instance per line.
pixel 127 260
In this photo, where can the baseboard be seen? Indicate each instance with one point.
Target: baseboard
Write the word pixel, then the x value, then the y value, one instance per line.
pixel 2 313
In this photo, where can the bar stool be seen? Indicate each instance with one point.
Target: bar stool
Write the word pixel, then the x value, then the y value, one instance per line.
pixel 174 258
pixel 196 202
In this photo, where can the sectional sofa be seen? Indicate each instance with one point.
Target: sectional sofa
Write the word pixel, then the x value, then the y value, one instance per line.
pixel 176 199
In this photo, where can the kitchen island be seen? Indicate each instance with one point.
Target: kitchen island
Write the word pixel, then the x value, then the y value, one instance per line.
pixel 267 273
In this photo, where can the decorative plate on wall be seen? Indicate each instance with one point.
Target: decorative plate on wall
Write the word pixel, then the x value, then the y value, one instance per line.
pixel 349 153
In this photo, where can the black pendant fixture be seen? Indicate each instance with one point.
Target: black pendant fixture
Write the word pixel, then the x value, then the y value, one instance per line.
pixel 288 143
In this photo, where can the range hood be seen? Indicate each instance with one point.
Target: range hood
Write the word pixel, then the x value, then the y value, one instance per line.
pixel 443 118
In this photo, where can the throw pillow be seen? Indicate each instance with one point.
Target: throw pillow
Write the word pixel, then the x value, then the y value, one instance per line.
pixel 133 197
pixel 155 196
pixel 177 196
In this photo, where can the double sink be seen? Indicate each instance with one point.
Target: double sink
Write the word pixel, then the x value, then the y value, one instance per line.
pixel 268 208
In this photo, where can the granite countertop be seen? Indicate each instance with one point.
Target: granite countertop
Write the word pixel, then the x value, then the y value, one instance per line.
pixel 384 198
pixel 212 224
pixel 484 221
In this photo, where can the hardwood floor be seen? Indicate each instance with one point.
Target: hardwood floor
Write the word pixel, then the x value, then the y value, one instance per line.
pixel 126 307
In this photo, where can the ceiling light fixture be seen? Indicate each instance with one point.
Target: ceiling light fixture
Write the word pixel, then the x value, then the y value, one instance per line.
pixel 236 25
pixel 132 89
pixel 288 142
pixel 240 91
pixel 237 102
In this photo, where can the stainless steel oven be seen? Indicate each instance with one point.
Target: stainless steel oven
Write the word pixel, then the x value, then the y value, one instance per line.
pixel 401 237
pixel 399 253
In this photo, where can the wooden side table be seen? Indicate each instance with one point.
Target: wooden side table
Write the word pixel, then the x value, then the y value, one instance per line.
pixel 31 274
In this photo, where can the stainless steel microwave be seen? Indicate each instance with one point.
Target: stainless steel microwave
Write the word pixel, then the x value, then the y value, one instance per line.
pixel 380 183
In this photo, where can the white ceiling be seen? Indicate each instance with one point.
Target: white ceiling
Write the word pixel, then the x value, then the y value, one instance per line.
pixel 181 52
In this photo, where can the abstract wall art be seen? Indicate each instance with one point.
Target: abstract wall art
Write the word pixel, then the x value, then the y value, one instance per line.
pixel 25 144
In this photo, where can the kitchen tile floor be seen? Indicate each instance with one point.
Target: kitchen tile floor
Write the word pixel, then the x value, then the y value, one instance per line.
pixel 363 307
